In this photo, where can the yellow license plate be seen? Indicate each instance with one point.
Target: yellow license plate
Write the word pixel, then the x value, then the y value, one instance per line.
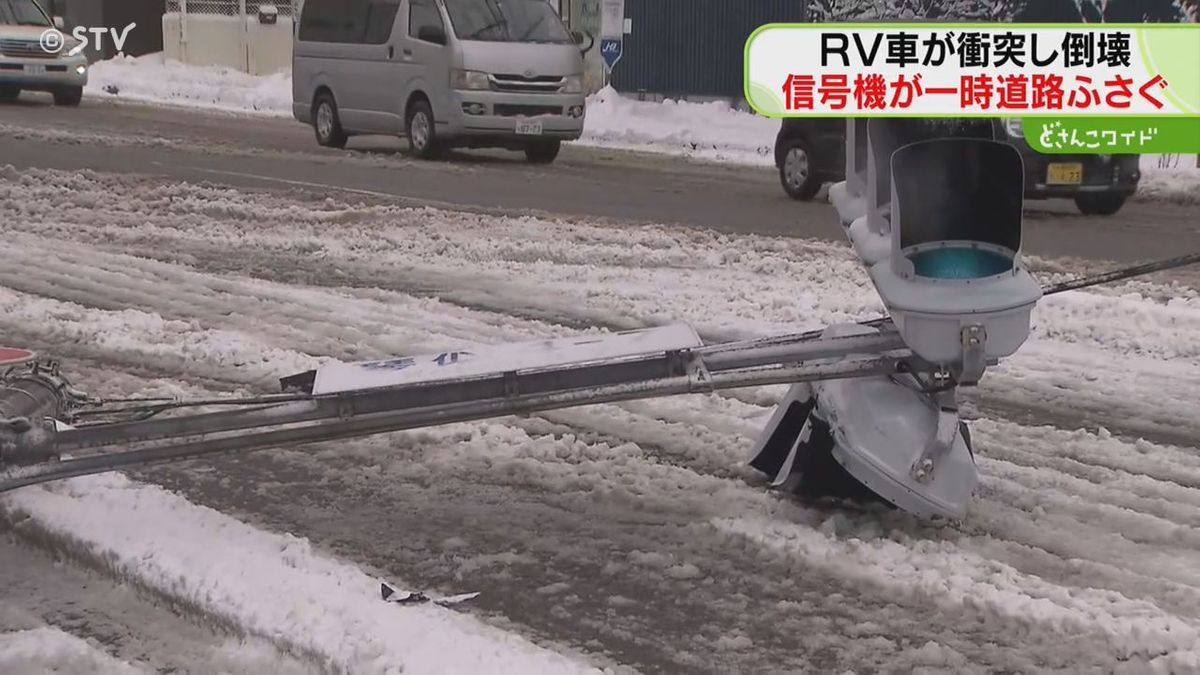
pixel 1064 173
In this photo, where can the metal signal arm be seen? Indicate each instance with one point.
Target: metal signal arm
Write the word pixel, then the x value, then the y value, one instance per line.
pixel 35 446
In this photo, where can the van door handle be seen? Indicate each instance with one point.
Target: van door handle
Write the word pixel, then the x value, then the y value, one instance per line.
pixel 408 52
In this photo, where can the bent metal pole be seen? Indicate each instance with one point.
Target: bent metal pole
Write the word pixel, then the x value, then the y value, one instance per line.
pixel 296 424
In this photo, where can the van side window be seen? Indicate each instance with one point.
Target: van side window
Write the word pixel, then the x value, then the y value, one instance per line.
pixel 348 21
pixel 423 13
pixel 323 21
pixel 381 14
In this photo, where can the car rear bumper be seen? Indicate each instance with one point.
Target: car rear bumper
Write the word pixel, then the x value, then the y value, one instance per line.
pixel 1113 174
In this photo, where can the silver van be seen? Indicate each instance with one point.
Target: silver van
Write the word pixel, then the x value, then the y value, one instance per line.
pixel 447 73
pixel 35 55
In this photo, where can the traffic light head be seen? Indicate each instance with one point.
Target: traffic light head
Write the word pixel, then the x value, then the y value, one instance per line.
pixel 940 235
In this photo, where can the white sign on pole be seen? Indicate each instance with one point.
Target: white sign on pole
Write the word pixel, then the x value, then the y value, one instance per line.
pixel 612 18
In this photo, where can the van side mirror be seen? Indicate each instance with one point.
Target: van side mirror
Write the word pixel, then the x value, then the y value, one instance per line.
pixel 432 34
pixel 577 37
pixel 59 23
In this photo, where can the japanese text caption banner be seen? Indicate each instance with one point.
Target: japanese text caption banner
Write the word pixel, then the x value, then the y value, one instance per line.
pixel 957 70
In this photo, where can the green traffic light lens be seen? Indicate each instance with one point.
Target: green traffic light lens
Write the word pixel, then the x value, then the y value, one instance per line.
pixel 960 263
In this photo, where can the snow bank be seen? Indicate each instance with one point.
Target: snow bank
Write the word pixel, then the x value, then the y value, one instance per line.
pixel 49 650
pixel 1177 179
pixel 711 131
pixel 274 586
pixel 154 79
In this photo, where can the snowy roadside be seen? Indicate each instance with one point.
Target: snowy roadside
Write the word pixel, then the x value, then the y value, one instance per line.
pixel 711 131
pixel 705 131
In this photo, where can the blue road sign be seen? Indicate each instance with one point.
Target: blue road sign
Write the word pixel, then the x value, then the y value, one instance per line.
pixel 610 51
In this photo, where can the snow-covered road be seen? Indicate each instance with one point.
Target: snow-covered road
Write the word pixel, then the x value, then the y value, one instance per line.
pixel 616 534
pixel 710 131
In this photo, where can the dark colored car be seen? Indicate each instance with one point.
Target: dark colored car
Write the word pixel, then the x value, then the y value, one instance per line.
pixel 811 151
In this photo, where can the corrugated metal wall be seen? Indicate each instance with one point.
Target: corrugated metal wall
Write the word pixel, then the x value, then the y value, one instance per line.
pixel 147 37
pixel 693 47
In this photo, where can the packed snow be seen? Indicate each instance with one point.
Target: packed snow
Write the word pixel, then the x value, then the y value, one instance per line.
pixel 49 650
pixel 272 586
pixel 632 532
pixel 711 131
pixel 155 79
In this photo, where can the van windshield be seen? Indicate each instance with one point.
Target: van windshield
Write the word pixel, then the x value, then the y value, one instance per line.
pixel 22 13
pixel 505 21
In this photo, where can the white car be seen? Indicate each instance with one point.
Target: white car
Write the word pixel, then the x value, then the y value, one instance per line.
pixel 36 55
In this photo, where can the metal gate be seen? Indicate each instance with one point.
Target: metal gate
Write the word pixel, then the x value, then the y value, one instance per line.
pixel 679 48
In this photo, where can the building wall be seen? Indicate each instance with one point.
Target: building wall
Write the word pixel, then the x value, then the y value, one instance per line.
pixel 693 49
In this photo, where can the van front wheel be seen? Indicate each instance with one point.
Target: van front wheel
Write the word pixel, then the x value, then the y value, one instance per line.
pixel 542 152
pixel 69 96
pixel 422 135
pixel 326 123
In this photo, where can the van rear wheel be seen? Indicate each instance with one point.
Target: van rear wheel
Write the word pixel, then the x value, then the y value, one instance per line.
pixel 422 134
pixel 326 123
pixel 542 152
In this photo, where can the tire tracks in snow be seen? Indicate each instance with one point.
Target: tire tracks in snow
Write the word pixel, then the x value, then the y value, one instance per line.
pixel 629 476
pixel 606 477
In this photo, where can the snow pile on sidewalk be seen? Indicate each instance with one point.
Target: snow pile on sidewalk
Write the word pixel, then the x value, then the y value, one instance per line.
pixel 154 79
pixel 713 131
pixel 1172 178
pixel 274 586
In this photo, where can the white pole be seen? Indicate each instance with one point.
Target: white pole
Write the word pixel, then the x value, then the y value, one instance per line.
pixel 183 37
pixel 243 36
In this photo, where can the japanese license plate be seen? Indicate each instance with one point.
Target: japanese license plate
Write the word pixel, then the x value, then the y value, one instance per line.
pixel 35 69
pixel 526 127
pixel 1064 173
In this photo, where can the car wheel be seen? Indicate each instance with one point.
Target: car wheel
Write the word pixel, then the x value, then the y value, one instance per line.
pixel 542 152
pixel 9 93
pixel 1099 204
pixel 796 170
pixel 68 96
pixel 422 134
pixel 326 123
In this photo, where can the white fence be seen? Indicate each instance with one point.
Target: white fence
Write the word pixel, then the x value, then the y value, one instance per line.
pixel 229 33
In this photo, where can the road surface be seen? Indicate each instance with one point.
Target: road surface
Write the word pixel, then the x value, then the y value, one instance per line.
pixel 634 532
